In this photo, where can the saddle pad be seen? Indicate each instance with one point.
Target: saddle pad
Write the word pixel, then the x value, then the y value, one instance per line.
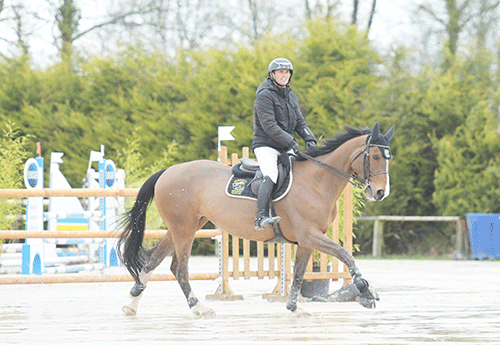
pixel 240 187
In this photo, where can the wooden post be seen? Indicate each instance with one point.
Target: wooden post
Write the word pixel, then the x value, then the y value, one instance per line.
pixel 236 257
pixel 288 268
pixel 335 238
pixel 223 155
pixel 460 236
pixel 270 256
pixel 378 238
pixel 348 218
pixel 260 260
pixel 245 152
pixel 246 258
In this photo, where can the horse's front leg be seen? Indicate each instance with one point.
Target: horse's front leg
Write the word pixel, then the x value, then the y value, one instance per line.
pixel 154 257
pixel 324 244
pixel 302 256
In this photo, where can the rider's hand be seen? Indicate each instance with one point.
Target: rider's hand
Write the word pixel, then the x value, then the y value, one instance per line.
pixel 310 144
pixel 296 148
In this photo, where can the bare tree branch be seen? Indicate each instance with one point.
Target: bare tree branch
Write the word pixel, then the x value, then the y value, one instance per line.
pixel 355 12
pixel 372 14
pixel 430 12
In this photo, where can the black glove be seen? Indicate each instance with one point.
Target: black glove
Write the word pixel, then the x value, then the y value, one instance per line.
pixel 296 148
pixel 310 144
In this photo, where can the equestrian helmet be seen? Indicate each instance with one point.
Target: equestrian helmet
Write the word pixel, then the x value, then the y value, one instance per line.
pixel 280 63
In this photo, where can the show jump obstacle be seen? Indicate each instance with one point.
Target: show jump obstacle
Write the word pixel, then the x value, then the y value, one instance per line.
pixel 276 264
pixel 67 213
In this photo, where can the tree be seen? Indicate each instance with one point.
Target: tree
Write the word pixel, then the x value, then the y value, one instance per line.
pixel 13 145
pixel 67 19
pixel 468 176
pixel 321 9
pixel 456 16
pixel 477 18
pixel 13 14
pixel 485 21
pixel 372 14
pixel 354 17
pixel 335 72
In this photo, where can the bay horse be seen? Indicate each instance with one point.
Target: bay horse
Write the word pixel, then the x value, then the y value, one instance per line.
pixel 188 195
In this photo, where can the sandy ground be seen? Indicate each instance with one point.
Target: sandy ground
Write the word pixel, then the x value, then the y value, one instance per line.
pixel 450 302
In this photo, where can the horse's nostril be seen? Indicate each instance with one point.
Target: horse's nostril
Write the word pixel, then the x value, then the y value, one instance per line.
pixel 380 194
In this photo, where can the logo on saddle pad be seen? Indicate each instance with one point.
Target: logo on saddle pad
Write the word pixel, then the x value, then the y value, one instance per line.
pixel 246 179
pixel 237 186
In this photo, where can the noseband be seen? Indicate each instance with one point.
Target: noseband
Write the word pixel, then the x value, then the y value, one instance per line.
pixel 362 183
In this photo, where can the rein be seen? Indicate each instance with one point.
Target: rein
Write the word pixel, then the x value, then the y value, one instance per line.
pixel 365 182
pixel 335 171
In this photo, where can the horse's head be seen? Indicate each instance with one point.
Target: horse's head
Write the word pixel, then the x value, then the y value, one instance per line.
pixel 371 165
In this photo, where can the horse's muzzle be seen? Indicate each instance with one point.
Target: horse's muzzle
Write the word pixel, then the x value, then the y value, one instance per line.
pixel 375 196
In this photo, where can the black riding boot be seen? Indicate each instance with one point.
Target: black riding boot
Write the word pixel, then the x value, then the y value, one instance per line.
pixel 263 218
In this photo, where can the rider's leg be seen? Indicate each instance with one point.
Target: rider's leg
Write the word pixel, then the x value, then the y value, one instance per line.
pixel 264 218
pixel 268 161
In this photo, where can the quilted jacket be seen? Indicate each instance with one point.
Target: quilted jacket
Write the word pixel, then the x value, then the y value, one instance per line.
pixel 276 117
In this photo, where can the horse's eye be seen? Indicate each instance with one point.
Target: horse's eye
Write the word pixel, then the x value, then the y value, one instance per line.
pixel 376 157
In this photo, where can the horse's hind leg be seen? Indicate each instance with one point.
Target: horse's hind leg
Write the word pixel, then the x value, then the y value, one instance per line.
pixel 179 268
pixel 155 256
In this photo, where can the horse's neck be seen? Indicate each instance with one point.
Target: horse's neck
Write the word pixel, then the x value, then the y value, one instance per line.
pixel 340 159
pixel 343 156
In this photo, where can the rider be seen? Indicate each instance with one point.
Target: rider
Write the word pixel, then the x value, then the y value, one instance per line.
pixel 276 117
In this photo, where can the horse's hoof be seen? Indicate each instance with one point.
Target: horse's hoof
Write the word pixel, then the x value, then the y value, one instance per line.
pixel 292 306
pixel 137 290
pixel 367 302
pixel 203 312
pixel 129 311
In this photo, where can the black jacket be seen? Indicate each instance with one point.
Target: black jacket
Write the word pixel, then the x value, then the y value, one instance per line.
pixel 276 116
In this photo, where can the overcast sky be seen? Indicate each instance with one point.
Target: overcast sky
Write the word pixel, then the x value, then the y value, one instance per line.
pixel 394 22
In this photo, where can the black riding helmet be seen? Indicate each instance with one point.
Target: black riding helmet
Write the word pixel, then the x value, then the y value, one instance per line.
pixel 280 63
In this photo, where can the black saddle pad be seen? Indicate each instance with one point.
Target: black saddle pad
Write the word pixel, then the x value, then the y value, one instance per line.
pixel 244 184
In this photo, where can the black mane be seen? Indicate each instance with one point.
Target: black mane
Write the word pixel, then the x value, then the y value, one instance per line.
pixel 338 139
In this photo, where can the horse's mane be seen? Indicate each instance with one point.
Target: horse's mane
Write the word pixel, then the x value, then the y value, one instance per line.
pixel 338 139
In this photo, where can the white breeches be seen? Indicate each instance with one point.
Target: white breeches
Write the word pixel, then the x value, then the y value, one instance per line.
pixel 268 160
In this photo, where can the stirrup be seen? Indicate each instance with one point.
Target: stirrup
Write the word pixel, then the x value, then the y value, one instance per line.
pixel 261 222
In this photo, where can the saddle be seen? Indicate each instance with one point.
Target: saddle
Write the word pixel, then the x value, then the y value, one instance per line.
pixel 247 177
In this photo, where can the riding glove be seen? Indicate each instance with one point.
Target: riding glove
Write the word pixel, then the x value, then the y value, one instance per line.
pixel 296 148
pixel 309 144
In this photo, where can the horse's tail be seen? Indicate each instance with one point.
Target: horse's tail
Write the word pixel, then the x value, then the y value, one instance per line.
pixel 129 247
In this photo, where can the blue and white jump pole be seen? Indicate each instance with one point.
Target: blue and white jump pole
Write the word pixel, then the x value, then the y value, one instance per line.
pixel 33 249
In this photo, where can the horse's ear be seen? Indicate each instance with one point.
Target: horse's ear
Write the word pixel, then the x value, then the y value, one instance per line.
pixel 375 132
pixel 389 133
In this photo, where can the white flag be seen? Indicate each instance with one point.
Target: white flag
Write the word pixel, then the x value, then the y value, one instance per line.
pixel 95 156
pixel 225 133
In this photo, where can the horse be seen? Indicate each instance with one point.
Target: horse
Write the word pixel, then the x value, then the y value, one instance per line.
pixel 188 195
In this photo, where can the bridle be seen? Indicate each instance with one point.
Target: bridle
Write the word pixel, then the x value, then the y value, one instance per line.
pixel 361 183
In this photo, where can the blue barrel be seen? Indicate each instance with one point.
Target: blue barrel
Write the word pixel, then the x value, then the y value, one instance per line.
pixel 484 233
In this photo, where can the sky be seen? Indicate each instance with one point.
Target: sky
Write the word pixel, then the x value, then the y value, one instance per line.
pixel 393 23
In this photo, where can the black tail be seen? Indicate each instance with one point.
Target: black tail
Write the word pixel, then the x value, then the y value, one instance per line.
pixel 129 247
